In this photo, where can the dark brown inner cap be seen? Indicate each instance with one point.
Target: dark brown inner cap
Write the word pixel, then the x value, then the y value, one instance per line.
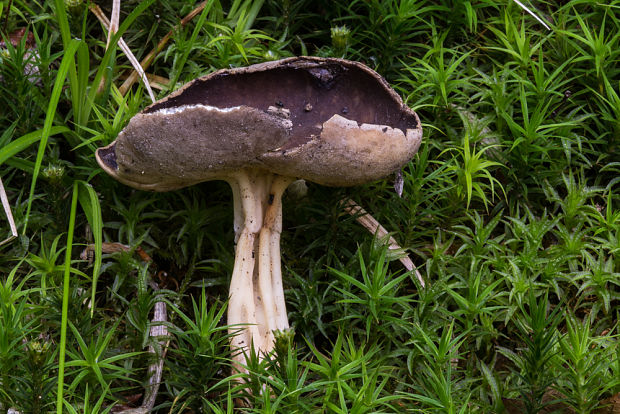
pixel 312 94
pixel 108 156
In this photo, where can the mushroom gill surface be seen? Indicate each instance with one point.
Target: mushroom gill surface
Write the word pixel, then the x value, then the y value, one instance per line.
pixel 312 89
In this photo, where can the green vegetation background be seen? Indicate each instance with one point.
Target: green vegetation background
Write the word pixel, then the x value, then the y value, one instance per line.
pixel 511 211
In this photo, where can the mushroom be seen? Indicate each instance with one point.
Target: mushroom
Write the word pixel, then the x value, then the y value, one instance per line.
pixel 330 121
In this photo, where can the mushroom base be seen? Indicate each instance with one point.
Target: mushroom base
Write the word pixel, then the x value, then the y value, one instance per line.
pixel 256 306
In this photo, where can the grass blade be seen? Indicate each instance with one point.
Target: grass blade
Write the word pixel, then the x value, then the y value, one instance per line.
pixel 25 141
pixel 90 203
pixel 65 301
pixel 67 60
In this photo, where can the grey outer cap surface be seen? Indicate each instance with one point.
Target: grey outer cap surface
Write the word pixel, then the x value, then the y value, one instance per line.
pixel 331 121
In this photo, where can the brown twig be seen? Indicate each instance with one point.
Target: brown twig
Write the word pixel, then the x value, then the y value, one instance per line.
pixel 146 62
pixel 6 19
pixel 96 10
pixel 158 82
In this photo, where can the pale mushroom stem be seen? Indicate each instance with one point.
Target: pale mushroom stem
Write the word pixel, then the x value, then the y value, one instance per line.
pixel 273 224
pixel 238 210
pixel 256 307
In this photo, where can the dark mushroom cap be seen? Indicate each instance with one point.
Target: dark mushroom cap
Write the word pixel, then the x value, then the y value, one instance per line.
pixel 331 121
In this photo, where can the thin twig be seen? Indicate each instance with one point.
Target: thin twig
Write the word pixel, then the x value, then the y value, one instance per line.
pixel 9 215
pixel 96 10
pixel 154 373
pixel 158 82
pixel 372 225
pixel 114 19
pixel 158 330
pixel 146 62
pixel 6 19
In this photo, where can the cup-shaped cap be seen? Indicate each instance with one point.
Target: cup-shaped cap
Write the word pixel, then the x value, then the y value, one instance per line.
pixel 331 121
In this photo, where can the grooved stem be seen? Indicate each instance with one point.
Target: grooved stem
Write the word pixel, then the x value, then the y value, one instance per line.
pixel 256 307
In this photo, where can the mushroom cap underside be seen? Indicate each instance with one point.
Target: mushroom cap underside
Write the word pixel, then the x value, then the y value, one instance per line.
pixel 331 121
